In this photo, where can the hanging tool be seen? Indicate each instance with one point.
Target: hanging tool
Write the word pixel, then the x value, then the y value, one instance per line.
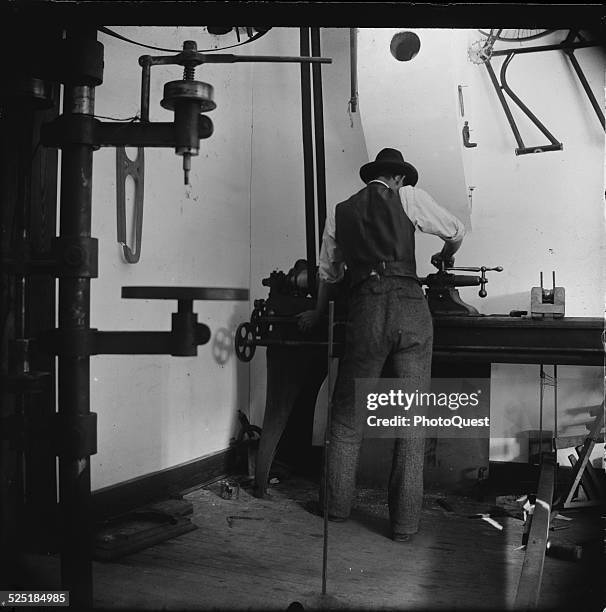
pixel 126 167
pixel 466 142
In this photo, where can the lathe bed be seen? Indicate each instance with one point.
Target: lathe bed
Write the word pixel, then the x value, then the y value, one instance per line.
pixel 503 339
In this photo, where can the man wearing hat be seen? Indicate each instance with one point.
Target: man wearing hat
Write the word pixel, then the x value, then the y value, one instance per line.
pixel 389 323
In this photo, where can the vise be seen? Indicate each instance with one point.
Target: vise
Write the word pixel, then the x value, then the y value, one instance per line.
pixel 442 295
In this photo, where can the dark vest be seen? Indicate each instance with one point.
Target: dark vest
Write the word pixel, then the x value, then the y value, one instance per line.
pixel 375 234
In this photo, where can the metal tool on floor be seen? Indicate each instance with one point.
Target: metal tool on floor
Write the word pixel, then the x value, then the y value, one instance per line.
pixel 230 489
pixel 485 516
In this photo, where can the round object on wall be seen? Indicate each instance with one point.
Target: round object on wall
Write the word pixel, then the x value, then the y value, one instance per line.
pixel 405 46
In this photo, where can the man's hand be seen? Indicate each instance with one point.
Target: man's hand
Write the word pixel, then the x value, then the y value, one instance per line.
pixel 308 319
pixel 440 262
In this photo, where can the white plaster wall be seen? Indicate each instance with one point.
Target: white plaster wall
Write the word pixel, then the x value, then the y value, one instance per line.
pixel 529 213
pixel 412 106
pixel 159 411
pixel 538 213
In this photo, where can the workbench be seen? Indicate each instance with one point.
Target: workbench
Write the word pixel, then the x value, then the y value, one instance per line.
pixel 463 345
pixel 504 339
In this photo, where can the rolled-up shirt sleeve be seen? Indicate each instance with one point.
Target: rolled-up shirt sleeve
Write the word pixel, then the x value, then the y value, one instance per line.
pixel 428 216
pixel 332 264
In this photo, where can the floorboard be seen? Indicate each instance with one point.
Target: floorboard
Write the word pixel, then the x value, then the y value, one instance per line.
pixel 252 554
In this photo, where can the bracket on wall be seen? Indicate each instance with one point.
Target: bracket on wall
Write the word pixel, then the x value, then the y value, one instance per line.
pixel 567 46
pixel 126 167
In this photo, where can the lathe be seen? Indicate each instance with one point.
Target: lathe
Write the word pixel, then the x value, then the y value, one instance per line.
pixel 465 341
pixel 273 321
pixel 296 359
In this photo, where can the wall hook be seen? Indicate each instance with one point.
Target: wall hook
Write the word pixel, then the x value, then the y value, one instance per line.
pixel 466 142
pixel 126 167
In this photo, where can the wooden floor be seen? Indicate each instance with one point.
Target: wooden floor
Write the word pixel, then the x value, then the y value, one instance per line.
pixel 265 554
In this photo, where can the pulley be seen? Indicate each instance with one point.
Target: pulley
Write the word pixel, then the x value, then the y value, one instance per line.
pixel 244 342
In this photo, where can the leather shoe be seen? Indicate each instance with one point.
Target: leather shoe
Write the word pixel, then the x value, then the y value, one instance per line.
pixel 402 537
pixel 315 508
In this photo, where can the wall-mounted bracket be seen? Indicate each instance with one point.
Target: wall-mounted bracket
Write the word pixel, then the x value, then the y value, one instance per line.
pixel 126 167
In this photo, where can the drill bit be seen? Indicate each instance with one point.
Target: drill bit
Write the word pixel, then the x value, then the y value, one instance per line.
pixel 186 167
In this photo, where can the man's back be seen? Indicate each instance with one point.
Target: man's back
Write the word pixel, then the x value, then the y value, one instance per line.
pixel 371 227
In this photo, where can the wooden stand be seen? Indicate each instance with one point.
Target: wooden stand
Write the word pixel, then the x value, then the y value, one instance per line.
pixel 584 475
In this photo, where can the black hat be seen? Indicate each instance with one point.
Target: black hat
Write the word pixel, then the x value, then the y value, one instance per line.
pixel 389 160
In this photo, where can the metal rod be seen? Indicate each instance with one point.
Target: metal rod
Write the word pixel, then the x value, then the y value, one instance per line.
pixel 20 356
pixel 227 58
pixel 331 320
pixel 541 394
pixel 353 69
pixel 558 47
pixel 308 171
pixel 586 87
pixel 319 137
pixel 497 87
pixel 145 62
pixel 521 104
pixel 74 372
pixel 555 402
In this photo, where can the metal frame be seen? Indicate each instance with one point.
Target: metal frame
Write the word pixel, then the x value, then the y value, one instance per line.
pixel 567 46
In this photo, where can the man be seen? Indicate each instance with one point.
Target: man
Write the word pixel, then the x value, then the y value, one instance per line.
pixel 372 233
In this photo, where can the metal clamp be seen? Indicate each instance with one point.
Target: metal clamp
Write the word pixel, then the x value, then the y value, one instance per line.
pixel 126 167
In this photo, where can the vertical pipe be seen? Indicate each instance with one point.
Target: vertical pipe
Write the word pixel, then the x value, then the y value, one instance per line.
pixel 353 69
pixel 74 372
pixel 542 388
pixel 306 119
pixel 585 84
pixel 19 350
pixel 555 404
pixel 319 133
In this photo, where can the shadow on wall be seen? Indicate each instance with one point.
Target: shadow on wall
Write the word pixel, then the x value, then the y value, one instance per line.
pixel 498 304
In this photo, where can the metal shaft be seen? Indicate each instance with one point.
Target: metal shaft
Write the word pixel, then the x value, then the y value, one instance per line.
pixel 319 134
pixel 308 159
pixel 331 320
pixel 74 372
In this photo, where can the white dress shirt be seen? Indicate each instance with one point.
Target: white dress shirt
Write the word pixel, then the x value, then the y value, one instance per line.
pixel 422 210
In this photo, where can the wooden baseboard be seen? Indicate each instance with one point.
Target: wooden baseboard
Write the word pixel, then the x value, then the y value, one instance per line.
pixel 120 498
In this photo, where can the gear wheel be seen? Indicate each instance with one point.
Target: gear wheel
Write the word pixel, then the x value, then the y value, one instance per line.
pixel 479 52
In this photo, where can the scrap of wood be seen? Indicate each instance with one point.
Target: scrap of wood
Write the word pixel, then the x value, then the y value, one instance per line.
pixel 529 585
